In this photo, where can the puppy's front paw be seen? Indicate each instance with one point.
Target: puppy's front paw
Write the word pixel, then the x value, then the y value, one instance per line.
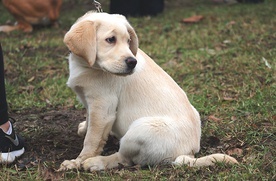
pixel 69 165
pixel 93 164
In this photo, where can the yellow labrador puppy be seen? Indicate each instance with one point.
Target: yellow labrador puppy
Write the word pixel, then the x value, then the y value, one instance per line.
pixel 127 94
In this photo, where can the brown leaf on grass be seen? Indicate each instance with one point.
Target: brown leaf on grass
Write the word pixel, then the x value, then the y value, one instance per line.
pixel 233 118
pixel 51 174
pixel 231 23
pixel 255 126
pixel 28 88
pixel 193 19
pixel 213 118
pixel 31 79
pixel 228 98
pixel 235 151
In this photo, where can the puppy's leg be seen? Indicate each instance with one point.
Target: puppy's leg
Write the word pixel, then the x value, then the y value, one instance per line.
pixel 204 161
pixel 25 26
pixel 101 116
pixel 21 25
pixel 54 13
pixel 104 162
pixel 148 141
pixel 8 28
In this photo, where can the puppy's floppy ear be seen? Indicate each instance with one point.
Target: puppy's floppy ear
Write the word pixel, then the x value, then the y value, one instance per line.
pixel 133 40
pixel 81 40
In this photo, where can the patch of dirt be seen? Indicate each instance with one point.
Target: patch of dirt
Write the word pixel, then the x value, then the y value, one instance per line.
pixel 51 136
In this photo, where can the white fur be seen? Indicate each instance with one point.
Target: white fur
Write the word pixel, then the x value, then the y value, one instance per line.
pixel 146 109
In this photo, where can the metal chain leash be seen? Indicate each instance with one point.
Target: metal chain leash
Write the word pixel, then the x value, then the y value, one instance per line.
pixel 98 6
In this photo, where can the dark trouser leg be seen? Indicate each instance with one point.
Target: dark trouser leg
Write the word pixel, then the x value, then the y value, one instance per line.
pixel 3 101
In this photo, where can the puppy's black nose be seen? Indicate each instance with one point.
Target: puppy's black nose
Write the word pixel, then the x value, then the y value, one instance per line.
pixel 131 62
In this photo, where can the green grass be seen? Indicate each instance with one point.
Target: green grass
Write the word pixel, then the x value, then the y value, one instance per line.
pixel 218 62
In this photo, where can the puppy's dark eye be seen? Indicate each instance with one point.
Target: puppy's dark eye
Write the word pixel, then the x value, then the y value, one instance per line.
pixel 111 39
pixel 128 41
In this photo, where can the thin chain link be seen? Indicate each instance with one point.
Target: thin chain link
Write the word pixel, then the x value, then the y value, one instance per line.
pixel 98 6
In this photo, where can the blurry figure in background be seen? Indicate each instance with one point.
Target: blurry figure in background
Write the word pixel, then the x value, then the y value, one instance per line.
pixel 31 12
pixel 136 7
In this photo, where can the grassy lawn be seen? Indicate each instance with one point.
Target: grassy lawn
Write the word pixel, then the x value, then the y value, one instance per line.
pixel 225 63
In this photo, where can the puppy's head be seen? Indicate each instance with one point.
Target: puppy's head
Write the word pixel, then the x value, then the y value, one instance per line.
pixel 105 41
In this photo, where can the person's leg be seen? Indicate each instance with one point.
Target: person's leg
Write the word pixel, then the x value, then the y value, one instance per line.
pixel 11 145
pixel 3 101
pixel 136 7
pixel 125 7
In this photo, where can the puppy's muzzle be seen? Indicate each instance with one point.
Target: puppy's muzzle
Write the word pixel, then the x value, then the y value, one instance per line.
pixel 131 63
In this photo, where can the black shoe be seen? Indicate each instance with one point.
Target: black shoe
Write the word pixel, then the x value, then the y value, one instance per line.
pixel 11 146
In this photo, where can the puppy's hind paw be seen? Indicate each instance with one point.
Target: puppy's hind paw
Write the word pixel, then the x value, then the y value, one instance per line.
pixel 93 164
pixel 69 165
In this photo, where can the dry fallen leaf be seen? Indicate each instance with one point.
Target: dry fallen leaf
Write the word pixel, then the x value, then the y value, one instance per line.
pixel 213 118
pixel 235 151
pixel 233 118
pixel 31 79
pixel 193 19
pixel 26 88
pixel 228 98
pixel 231 23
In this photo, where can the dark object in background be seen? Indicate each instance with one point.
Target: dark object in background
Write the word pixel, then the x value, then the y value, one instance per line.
pixel 29 12
pixel 136 7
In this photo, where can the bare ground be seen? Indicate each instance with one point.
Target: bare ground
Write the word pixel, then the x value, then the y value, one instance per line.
pixel 51 136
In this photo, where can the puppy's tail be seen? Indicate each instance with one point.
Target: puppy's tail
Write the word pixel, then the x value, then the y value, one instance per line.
pixel 204 161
